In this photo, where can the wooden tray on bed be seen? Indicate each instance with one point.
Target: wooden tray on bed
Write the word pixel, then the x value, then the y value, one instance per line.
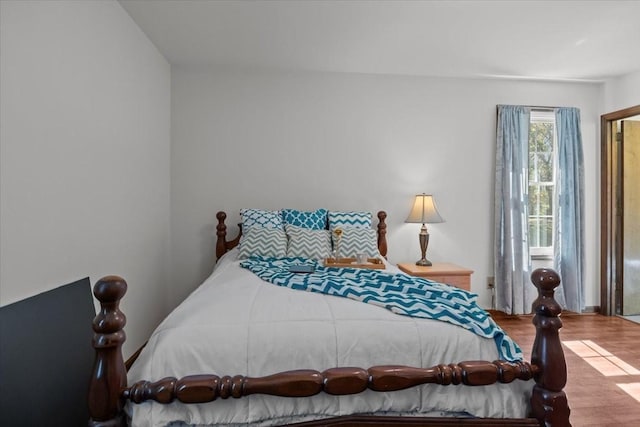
pixel 372 263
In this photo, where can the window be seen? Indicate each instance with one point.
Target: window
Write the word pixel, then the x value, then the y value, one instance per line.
pixel 542 131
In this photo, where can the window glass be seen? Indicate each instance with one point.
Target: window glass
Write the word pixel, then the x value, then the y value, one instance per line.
pixel 541 182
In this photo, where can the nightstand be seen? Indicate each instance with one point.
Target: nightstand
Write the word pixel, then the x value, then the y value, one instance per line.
pixel 442 272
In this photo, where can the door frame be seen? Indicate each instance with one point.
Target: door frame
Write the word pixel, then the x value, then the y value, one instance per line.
pixel 608 210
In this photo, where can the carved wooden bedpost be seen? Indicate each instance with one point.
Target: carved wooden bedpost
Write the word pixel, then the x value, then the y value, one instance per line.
pixel 109 376
pixel 382 233
pixel 221 232
pixel 548 400
pixel 222 245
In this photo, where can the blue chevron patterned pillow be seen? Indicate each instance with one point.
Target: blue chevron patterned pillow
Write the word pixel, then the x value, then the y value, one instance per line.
pixel 307 243
pixel 263 241
pixel 349 219
pixel 357 241
pixel 260 218
pixel 315 220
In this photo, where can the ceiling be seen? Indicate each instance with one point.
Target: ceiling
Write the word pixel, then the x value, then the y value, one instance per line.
pixel 554 40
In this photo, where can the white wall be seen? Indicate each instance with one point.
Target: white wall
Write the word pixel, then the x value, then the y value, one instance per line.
pixel 85 146
pixel 622 92
pixel 340 141
pixel 85 155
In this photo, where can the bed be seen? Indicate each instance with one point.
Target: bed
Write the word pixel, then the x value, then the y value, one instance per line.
pixel 275 355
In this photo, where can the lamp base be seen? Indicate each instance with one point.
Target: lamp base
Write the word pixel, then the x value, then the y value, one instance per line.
pixel 424 262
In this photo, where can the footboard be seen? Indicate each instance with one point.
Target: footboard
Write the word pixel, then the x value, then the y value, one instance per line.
pixel 108 389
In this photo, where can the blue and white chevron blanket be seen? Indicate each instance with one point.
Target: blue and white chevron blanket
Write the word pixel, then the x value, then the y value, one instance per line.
pixel 400 293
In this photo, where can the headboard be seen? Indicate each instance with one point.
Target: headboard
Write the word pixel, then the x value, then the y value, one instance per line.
pixel 223 245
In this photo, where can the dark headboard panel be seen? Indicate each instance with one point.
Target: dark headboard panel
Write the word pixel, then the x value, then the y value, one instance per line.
pixel 46 357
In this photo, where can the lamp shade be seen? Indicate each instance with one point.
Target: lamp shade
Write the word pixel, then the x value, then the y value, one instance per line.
pixel 424 210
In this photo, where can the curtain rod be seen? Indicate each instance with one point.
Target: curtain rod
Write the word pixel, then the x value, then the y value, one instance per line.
pixel 537 107
pixel 540 108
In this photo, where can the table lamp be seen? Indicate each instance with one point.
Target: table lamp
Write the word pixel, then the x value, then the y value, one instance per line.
pixel 424 212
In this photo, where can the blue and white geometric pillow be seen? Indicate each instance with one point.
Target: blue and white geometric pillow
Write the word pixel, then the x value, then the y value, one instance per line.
pixel 315 220
pixel 349 219
pixel 263 241
pixel 357 241
pixel 308 243
pixel 260 218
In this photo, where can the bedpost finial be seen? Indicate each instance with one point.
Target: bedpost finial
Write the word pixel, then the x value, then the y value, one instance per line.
pixel 545 279
pixel 110 289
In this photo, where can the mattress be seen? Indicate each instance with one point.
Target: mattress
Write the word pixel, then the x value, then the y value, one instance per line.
pixel 236 323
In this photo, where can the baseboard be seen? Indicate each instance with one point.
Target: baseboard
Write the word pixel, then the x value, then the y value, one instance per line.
pixel 592 309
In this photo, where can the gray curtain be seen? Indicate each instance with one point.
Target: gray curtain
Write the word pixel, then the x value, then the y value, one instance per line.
pixel 569 224
pixel 512 265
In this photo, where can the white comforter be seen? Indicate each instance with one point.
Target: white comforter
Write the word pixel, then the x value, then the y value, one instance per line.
pixel 235 323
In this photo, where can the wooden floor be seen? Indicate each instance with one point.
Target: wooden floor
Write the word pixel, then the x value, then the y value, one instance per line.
pixel 594 398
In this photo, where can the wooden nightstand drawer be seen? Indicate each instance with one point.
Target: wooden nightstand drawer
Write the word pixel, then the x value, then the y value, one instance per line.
pixel 448 273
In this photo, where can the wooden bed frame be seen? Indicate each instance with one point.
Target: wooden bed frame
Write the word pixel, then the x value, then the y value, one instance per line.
pixel 108 389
